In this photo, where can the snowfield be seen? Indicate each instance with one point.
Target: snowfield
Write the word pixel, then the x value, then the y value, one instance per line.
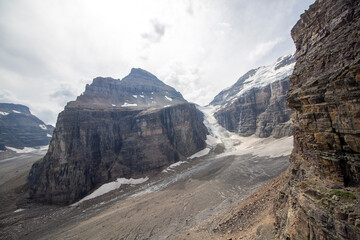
pixel 108 187
pixel 262 77
pixel 237 145
pixel 201 153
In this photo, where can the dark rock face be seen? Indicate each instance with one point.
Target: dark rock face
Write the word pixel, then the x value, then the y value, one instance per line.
pixel 321 198
pixel 19 128
pixel 93 145
pixel 256 103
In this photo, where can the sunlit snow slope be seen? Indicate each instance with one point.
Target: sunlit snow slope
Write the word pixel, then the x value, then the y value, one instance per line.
pixel 257 78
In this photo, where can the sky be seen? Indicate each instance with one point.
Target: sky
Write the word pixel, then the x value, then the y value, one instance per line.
pixel 49 50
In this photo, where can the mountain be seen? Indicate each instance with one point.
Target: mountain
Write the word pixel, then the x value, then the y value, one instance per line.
pixel 116 128
pixel 139 89
pixel 19 128
pixel 320 196
pixel 256 103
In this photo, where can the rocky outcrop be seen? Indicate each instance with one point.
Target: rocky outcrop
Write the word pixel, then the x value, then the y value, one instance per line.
pixel 98 138
pixel 321 198
pixel 256 103
pixel 19 128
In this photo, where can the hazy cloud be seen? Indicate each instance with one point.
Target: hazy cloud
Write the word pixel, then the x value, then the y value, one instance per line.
pixel 63 95
pixel 189 7
pixel 157 32
pixel 263 49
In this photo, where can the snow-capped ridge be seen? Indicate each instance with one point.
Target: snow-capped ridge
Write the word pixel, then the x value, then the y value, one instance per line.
pixel 257 78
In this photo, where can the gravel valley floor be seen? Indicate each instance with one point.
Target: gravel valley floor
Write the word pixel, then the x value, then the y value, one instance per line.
pixel 192 200
pixel 167 206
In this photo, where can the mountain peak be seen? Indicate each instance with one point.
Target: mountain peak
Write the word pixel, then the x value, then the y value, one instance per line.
pixel 139 89
pixel 140 71
pixel 138 74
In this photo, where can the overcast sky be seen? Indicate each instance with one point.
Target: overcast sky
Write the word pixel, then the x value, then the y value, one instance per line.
pixel 50 49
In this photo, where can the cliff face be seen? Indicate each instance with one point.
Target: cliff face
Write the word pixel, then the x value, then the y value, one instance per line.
pixel 321 198
pixel 96 143
pixel 19 128
pixel 256 103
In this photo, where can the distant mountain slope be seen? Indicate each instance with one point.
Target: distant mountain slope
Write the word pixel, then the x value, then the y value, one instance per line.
pixel 19 128
pixel 116 129
pixel 256 103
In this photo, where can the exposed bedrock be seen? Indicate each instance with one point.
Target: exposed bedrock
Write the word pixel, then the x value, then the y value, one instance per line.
pixel 321 198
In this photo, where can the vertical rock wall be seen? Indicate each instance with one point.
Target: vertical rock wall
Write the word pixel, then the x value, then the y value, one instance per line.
pixel 91 147
pixel 321 198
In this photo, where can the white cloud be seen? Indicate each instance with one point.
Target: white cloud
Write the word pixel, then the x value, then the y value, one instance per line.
pixel 50 49
pixel 262 49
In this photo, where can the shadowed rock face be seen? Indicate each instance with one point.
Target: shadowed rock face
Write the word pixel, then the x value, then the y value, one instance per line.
pixel 19 128
pixel 256 103
pixel 93 145
pixel 320 201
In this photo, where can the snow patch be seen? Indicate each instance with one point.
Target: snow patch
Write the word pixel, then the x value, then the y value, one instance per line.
pixel 135 96
pixel 169 98
pixel 4 113
pixel 16 111
pixel 49 135
pixel 142 96
pixel 29 149
pixel 113 105
pixel 201 153
pixel 129 105
pixel 174 165
pixel 167 106
pixel 19 210
pixel 107 187
pixel 42 126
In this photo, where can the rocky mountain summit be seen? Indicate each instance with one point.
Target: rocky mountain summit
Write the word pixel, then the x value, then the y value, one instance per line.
pixel 19 128
pixel 256 103
pixel 320 199
pixel 139 89
pixel 116 129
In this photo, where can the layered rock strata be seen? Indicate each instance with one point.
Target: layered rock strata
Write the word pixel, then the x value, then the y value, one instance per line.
pixel 97 140
pixel 256 103
pixel 321 198
pixel 19 128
